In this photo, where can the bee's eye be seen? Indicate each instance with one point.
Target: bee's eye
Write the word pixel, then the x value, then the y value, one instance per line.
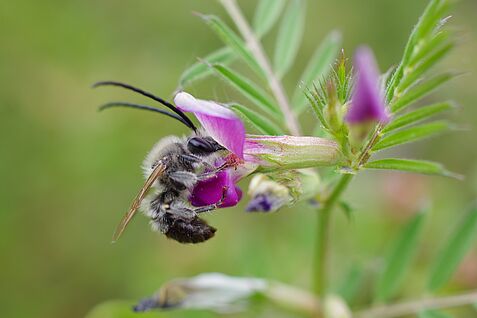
pixel 203 146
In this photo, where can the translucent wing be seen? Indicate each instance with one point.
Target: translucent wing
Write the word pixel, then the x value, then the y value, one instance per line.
pixel 158 170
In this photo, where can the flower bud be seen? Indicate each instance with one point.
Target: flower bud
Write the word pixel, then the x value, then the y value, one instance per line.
pixel 270 193
pixel 213 291
pixel 267 195
pixel 367 103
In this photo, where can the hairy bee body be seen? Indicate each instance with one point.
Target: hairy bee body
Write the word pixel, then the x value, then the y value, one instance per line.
pixel 185 161
pixel 173 168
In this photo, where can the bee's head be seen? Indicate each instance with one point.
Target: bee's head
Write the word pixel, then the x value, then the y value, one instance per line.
pixel 203 146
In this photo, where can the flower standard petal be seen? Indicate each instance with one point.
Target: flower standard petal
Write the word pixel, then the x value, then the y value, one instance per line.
pixel 219 122
pixel 367 103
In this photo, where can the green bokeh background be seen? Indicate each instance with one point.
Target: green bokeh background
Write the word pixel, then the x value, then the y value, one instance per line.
pixel 67 173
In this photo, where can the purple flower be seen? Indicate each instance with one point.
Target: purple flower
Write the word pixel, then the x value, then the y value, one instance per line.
pixel 367 103
pixel 228 130
pixel 248 152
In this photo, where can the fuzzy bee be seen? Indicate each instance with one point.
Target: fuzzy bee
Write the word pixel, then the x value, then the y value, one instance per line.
pixel 173 167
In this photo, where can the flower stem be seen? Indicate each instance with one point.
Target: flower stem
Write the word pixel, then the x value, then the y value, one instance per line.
pixel 413 307
pixel 257 50
pixel 322 237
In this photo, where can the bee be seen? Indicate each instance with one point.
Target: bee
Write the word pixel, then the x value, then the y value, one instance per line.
pixel 173 167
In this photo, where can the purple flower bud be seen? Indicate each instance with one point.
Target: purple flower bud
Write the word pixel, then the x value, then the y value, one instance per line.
pixel 267 195
pixel 367 103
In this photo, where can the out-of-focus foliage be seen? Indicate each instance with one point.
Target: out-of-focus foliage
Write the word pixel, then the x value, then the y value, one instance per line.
pixel 68 173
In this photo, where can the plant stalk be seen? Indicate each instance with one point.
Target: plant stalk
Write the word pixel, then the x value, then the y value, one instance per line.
pixel 257 50
pixel 322 237
pixel 413 307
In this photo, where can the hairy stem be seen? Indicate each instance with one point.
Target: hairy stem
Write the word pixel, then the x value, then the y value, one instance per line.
pixel 257 50
pixel 322 237
pixel 412 307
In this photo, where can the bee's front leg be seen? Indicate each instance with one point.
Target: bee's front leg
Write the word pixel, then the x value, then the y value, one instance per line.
pixel 212 173
pixel 214 206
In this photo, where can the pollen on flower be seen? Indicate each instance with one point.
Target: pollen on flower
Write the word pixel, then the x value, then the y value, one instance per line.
pixel 233 161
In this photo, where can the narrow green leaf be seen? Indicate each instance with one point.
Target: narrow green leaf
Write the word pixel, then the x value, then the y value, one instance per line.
pixel 410 165
pixel 263 124
pixel 455 249
pixel 415 72
pixel 200 69
pixel 430 18
pixel 266 14
pixel 233 41
pixel 411 134
pixel 419 91
pixel 433 314
pixel 318 67
pixel 315 105
pixel 349 287
pixel 399 258
pixel 425 48
pixel 427 22
pixel 417 115
pixel 289 36
pixel 249 89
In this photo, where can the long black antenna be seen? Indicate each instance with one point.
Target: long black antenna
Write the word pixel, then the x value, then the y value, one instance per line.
pixel 145 107
pixel 151 96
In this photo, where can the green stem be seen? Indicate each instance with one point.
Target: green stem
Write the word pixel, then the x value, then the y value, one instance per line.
pixel 321 251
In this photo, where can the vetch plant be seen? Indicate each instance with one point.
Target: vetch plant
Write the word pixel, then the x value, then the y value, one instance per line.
pixel 359 113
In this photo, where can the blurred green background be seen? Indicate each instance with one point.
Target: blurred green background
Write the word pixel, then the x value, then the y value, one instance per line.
pixel 68 173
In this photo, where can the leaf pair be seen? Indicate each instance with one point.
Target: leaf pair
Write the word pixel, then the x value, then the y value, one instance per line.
pixel 426 46
pixel 287 43
pixel 267 13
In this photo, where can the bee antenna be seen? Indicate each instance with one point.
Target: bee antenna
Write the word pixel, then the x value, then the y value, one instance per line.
pixel 151 96
pixel 149 108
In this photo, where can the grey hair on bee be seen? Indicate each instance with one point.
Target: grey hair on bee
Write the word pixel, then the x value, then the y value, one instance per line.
pixel 185 120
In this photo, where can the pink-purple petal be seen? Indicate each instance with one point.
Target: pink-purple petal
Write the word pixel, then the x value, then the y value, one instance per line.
pixel 211 191
pixel 219 122
pixel 367 102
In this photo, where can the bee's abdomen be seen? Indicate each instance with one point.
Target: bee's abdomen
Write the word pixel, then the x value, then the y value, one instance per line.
pixel 194 230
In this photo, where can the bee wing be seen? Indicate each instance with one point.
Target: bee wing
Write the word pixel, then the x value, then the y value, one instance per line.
pixel 158 170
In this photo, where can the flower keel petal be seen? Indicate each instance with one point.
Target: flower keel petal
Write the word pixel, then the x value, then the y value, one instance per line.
pixel 210 191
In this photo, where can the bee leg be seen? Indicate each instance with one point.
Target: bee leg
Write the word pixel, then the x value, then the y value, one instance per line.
pixel 186 178
pixel 190 159
pixel 214 206
pixel 181 212
pixel 212 173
